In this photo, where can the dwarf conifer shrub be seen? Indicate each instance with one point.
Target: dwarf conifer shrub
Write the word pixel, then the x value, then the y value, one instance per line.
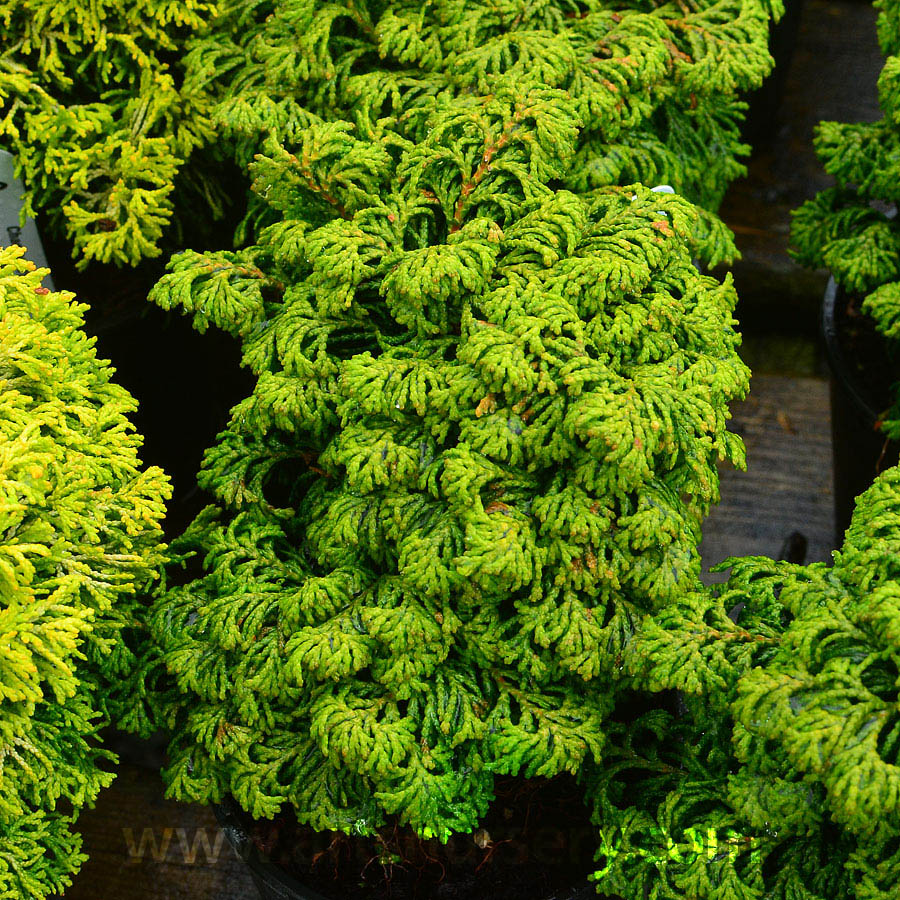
pixel 480 447
pixel 93 107
pixel 853 228
pixel 655 84
pixel 780 777
pixel 79 541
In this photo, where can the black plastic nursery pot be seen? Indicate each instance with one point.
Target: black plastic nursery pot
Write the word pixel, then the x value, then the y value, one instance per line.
pixel 861 367
pixel 271 881
pixel 275 883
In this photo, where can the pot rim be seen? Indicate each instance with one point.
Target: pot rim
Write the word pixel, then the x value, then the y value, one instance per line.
pixel 228 816
pixel 837 359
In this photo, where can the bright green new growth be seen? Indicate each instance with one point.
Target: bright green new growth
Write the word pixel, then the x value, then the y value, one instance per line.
pixel 853 228
pixel 99 124
pixel 481 443
pixel 79 540
pixel 796 667
pixel 655 84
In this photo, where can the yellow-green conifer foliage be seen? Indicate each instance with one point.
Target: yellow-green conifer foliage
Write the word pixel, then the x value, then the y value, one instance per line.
pixel 105 104
pixel 779 779
pixel 93 107
pixel 656 84
pixel 80 544
pixel 481 443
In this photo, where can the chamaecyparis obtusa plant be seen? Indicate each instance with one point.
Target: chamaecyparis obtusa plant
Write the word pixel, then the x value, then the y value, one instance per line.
pixel 93 106
pixel 853 228
pixel 480 447
pixel 106 110
pixel 80 541
pixel 656 85
pixel 780 780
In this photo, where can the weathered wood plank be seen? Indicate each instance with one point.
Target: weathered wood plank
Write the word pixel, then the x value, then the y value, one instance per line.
pixel 144 847
pixel 832 76
pixel 788 485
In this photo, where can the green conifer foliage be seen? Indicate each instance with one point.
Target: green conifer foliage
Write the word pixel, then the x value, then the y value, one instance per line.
pixel 655 84
pixel 780 778
pixel 96 115
pixel 853 228
pixel 79 540
pixel 480 447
